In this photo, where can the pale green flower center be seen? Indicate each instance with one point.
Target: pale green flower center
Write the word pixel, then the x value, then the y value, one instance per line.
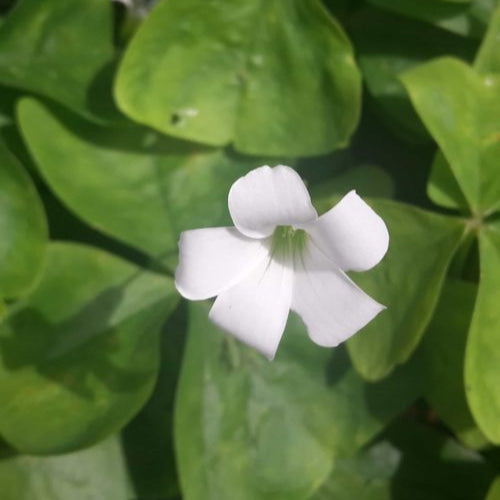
pixel 288 243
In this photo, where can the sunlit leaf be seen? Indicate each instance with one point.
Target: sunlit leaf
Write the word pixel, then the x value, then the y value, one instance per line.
pixel 131 183
pixel 274 78
pixel 461 108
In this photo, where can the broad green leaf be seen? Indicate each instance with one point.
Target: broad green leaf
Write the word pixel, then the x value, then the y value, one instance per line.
pixel 80 355
pixel 494 491
pixel 408 281
pixel 444 351
pixel 482 362
pixel 23 228
pixel 130 183
pixel 488 57
pixel 442 187
pixel 59 49
pixel 275 77
pixel 95 473
pixel 467 18
pixel 410 462
pixel 382 58
pixel 148 439
pixel 246 428
pixel 461 109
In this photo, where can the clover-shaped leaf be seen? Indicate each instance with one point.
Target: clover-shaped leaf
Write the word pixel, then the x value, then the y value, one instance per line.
pixel 274 78
pixel 79 356
pixel 23 228
pixel 60 50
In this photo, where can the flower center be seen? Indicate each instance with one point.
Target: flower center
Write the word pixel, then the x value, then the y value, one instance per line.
pixel 288 243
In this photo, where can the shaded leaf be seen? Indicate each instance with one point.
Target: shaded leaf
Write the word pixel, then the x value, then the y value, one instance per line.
pixel 444 350
pixel 80 355
pixel 408 281
pixel 98 472
pixel 494 491
pixel 410 462
pixel 59 50
pixel 482 362
pixel 382 58
pixel 148 439
pixel 23 228
pixel 468 18
pixel 249 429
pixel 275 78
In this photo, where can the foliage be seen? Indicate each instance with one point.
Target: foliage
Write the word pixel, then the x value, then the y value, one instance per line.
pixel 120 127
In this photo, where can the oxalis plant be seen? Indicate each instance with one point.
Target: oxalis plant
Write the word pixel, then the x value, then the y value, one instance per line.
pixel 328 171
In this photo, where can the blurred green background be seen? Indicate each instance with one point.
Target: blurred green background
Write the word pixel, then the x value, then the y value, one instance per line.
pixel 123 124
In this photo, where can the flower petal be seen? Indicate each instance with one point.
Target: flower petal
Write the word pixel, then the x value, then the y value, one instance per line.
pixel 212 260
pixel 268 197
pixel 351 234
pixel 332 307
pixel 256 309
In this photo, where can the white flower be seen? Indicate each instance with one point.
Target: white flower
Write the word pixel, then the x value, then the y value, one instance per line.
pixel 282 256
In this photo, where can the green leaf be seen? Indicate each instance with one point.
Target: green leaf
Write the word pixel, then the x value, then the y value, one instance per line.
pixel 442 187
pixel 408 281
pixel 23 228
pixel 494 491
pixel 461 109
pixel 130 183
pixel 444 350
pixel 274 77
pixel 246 428
pixel 482 362
pixel 488 57
pixel 410 462
pixel 148 439
pixel 80 355
pixel 98 472
pixel 59 50
pixel 382 58
pixel 467 18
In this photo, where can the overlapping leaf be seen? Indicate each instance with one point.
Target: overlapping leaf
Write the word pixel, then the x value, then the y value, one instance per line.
pixel 461 108
pixel 98 472
pixel 466 18
pixel 482 369
pixel 249 429
pixel 383 58
pixel 408 281
pixel 59 50
pixel 273 77
pixel 131 183
pixel 444 347
pixel 79 356
pixel 23 228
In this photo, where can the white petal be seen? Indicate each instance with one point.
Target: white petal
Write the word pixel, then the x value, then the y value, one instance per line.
pixel 212 260
pixel 269 197
pixel 351 234
pixel 332 307
pixel 256 309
